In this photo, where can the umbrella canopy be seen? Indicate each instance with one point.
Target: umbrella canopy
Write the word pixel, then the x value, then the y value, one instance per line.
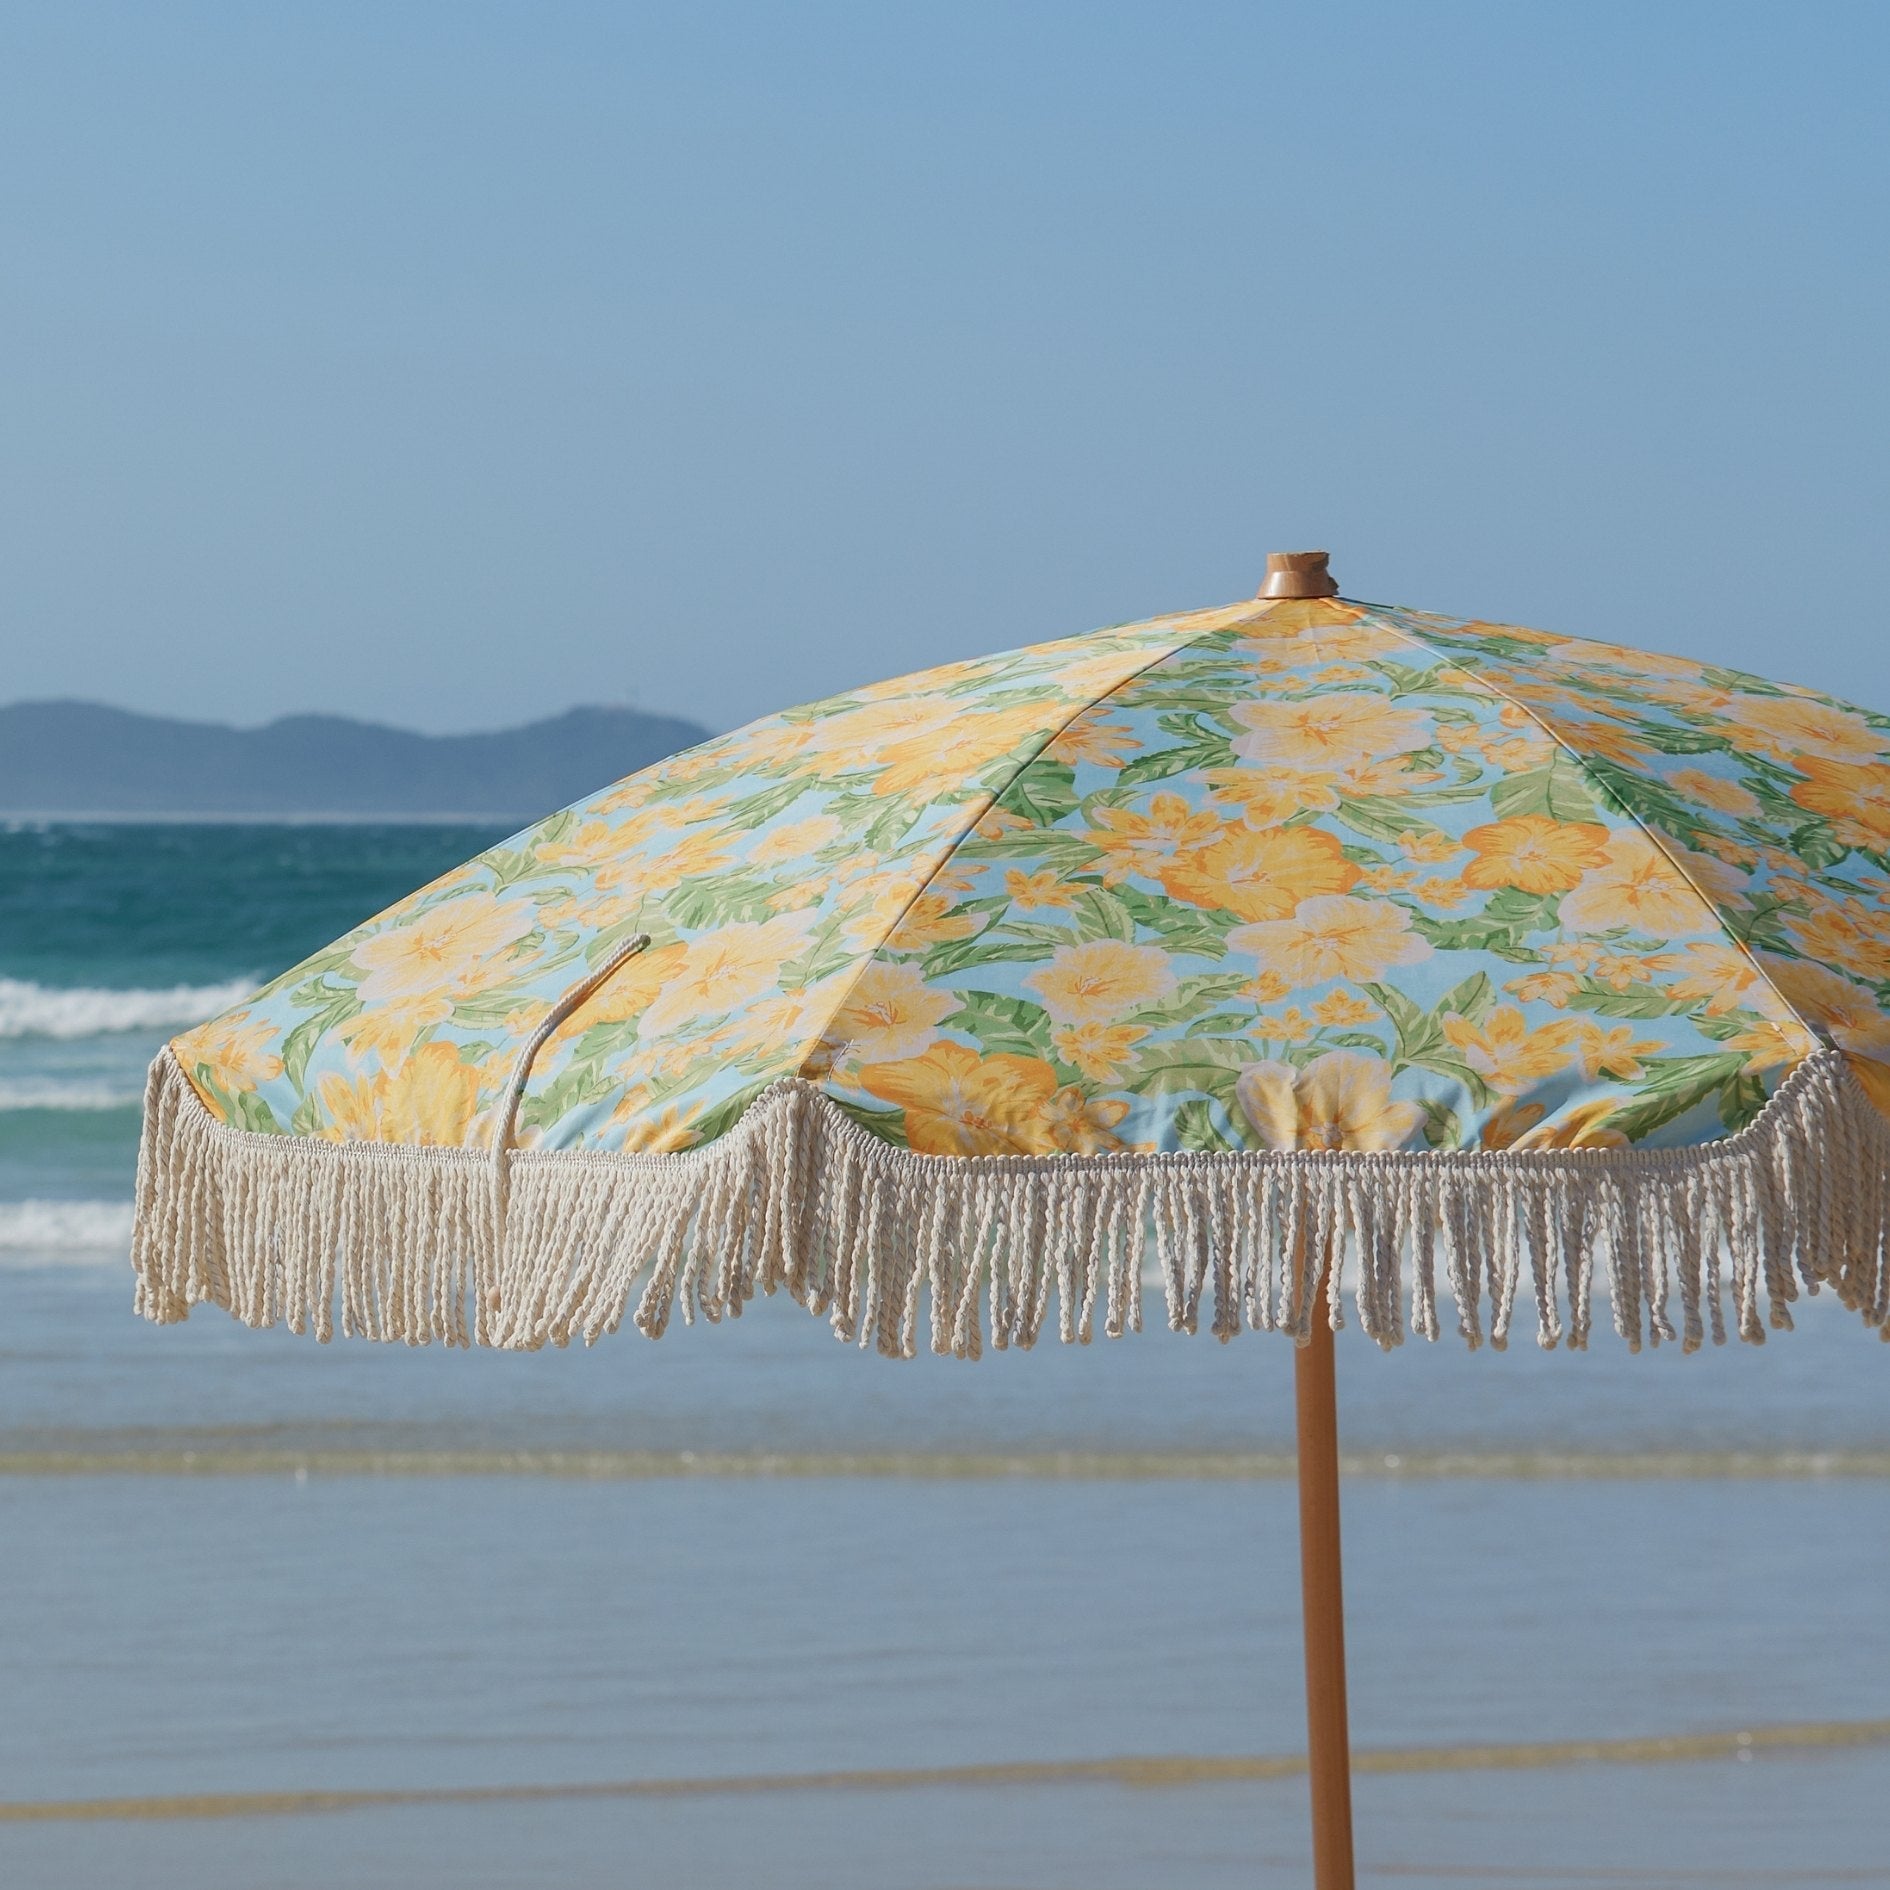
pixel 1233 942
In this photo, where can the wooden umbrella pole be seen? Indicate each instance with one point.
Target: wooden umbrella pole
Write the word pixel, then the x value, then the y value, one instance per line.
pixel 1328 1744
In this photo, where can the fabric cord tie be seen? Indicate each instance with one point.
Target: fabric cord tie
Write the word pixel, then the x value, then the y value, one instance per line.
pixel 503 1129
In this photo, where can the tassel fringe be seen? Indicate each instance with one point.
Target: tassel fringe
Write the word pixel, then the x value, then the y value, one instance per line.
pixel 417 1244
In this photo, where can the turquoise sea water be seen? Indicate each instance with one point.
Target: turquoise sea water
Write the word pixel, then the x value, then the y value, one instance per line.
pixel 238 1563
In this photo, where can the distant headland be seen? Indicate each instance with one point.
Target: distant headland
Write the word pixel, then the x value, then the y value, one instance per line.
pixel 82 758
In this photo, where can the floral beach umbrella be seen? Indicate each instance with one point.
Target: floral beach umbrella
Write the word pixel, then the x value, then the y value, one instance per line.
pixel 1294 952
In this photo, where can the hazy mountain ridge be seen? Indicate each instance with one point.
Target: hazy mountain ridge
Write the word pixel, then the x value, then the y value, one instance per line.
pixel 66 757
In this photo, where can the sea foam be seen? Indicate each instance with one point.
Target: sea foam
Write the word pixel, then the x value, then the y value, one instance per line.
pixel 53 1093
pixel 93 1227
pixel 39 1010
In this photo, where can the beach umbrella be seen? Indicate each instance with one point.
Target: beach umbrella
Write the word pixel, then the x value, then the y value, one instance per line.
pixel 1293 955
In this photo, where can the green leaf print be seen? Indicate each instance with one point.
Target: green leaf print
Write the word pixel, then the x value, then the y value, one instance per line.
pixel 1559 790
pixel 1003 1025
pixel 1044 793
pixel 1196 1129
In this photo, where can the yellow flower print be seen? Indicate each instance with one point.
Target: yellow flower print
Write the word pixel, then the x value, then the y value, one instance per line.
pixel 1509 1122
pixel 1083 1125
pixel 1386 879
pixel 430 1101
pixel 1442 893
pixel 853 738
pixel 1320 647
pixel 1338 1009
pixel 959 1103
pixel 798 894
pixel 653 847
pixel 1266 796
pixel 1301 617
pixel 459 947
pixel 723 970
pixel 638 1130
pixel 1614 1052
pixel 1635 886
pixel 795 841
pixel 768 744
pixel 1856 800
pixel 1851 1015
pixel 1268 988
pixel 1593 735
pixel 1333 936
pixel 1336 731
pixel 1100 980
pixel 626 795
pixel 1100 1051
pixel 775 1026
pixel 939 756
pixel 236 1049
pixel 388 1031
pixel 1545 987
pixel 1875 1078
pixel 1263 797
pixel 1621 971
pixel 1831 935
pixel 995 822
pixel 626 994
pixel 565 910
pixel 889 1013
pixel 1341 1100
pixel 931 920
pixel 872 906
pixel 1102 744
pixel 1260 875
pixel 1723 796
pixel 1091 677
pixel 1038 892
pixel 1732 852
pixel 1722 975
pixel 1290 1026
pixel 1582 654
pixel 1788 728
pixel 1428 849
pixel 692 854
pixel 1723 883
pixel 1506 1050
pixel 1514 1125
pixel 1518 753
pixel 1148 842
pixel 1534 854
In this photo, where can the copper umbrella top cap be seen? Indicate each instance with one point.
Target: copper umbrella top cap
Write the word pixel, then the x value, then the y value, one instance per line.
pixel 1298 574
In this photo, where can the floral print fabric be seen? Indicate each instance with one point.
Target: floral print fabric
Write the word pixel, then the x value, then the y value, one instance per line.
pixel 1298 875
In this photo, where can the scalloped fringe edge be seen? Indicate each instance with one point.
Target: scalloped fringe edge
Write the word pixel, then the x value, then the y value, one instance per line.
pixel 531 1247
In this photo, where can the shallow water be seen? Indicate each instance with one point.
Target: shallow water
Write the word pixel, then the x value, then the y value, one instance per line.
pixel 238 1562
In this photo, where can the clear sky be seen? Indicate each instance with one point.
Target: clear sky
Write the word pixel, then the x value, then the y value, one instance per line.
pixel 450 364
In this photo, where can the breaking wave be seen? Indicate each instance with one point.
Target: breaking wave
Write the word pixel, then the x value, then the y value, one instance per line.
pixel 51 1093
pixel 40 1010
pixel 88 1227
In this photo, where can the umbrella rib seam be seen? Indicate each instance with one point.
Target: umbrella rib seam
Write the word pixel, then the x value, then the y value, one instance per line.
pixel 1383 616
pixel 1228 618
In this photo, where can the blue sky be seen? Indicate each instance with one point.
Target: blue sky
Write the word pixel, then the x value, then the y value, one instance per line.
pixel 452 364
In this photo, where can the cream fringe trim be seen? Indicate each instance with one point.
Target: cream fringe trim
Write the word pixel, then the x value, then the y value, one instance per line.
pixel 418 1244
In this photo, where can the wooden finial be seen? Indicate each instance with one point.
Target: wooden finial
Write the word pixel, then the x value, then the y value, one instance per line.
pixel 1298 574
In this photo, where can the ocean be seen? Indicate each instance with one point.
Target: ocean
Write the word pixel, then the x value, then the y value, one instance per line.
pixel 748 1607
